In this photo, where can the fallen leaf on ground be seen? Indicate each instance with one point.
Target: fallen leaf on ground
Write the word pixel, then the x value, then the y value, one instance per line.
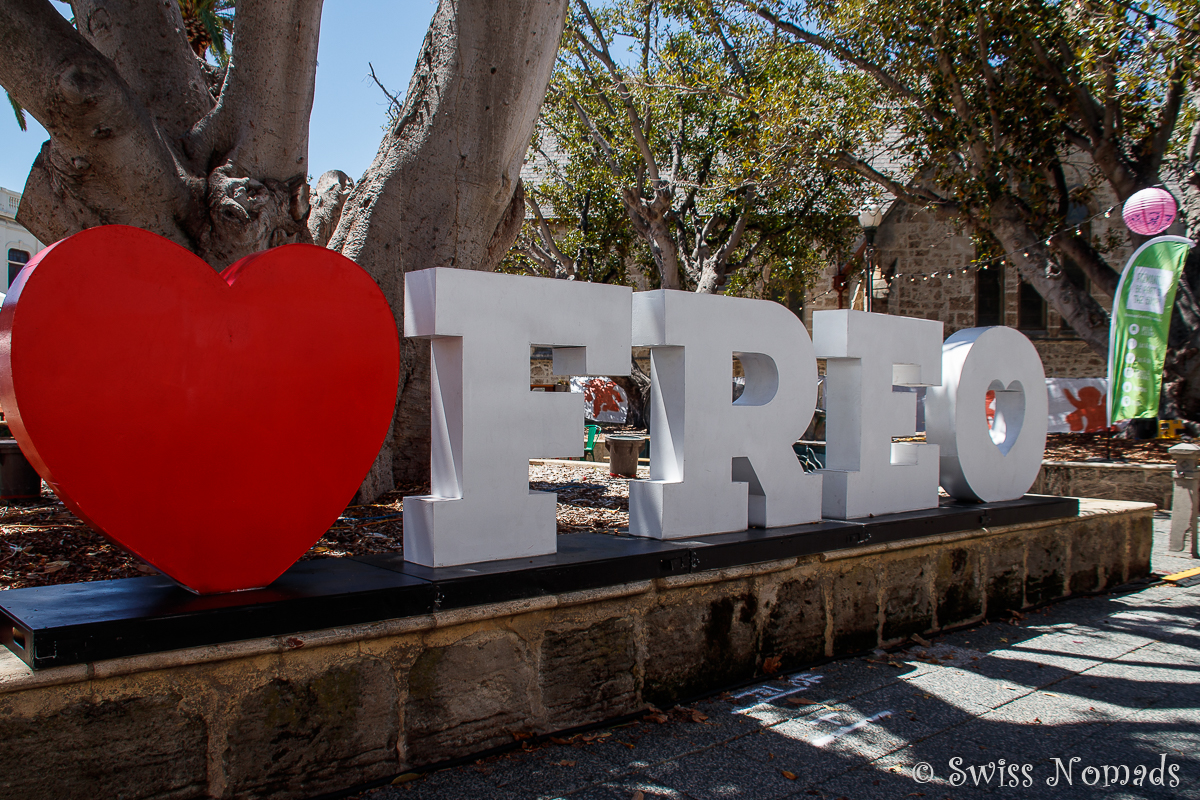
pixel 802 701
pixel 791 776
pixel 772 664
pixel 921 640
pixel 565 763
pixel 405 778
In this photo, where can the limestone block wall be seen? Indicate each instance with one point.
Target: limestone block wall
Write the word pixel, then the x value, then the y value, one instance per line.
pixel 913 245
pixel 297 716
pixel 1145 483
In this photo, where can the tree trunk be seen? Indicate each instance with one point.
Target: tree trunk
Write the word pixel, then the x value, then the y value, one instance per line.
pixel 637 389
pixel 136 136
pixel 444 189
pixel 1181 379
pixel 141 134
pixel 1077 307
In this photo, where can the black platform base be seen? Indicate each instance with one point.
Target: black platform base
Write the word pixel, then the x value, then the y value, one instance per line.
pixel 58 625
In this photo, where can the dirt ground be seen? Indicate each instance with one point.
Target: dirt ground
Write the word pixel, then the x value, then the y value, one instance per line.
pixel 42 543
pixel 1098 447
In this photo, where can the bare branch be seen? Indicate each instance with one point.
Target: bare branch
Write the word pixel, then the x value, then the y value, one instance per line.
pixel 547 238
pixel 601 53
pixel 606 150
pixel 394 104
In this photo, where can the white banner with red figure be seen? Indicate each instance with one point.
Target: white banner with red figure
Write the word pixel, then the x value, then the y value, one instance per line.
pixel 1077 405
pixel 603 400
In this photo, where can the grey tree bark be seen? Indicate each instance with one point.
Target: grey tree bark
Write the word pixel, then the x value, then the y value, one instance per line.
pixel 144 133
pixel 137 137
pixel 329 198
pixel 1181 386
pixel 444 189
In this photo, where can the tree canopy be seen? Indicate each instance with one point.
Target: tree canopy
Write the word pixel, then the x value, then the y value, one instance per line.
pixel 1011 114
pixel 654 147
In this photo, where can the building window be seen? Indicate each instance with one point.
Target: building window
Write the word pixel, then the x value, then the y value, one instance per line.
pixel 989 295
pixel 16 260
pixel 1031 308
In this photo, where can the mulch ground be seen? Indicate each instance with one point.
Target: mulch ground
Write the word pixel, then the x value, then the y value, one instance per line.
pixel 1098 447
pixel 42 543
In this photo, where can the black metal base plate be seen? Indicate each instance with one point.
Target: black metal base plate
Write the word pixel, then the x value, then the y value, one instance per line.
pixel 75 623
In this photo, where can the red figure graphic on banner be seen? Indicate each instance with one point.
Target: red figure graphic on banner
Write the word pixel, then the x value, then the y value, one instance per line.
pixel 602 395
pixel 1090 409
pixel 990 402
pixel 171 406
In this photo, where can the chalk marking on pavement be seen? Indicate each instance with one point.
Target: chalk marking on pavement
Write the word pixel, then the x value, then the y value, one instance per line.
pixel 766 695
pixel 821 741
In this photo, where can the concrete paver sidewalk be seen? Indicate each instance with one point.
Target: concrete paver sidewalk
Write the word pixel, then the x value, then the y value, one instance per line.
pixel 1090 697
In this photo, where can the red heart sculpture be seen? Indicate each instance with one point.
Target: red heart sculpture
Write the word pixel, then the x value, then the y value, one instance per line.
pixel 214 425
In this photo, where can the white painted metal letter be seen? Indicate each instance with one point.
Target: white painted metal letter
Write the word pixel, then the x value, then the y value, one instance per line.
pixel 486 423
pixel 718 465
pixel 978 462
pixel 866 473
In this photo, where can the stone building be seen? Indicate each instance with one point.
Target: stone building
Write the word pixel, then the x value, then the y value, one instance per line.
pixel 924 268
pixel 19 244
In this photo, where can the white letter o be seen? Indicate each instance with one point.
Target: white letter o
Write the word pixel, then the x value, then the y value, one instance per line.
pixel 977 462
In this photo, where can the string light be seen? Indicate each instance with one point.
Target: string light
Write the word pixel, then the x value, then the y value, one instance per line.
pixel 983 265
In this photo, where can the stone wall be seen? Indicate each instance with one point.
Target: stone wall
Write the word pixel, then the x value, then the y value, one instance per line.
pixel 1144 483
pixel 296 716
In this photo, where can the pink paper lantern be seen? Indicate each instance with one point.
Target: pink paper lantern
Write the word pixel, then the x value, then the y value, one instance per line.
pixel 1149 212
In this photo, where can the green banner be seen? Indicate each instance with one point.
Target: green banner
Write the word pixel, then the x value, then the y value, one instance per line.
pixel 1141 318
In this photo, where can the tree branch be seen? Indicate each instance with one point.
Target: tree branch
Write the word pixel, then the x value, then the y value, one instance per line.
pixel 1079 250
pixel 97 126
pixel 605 148
pixel 1168 116
pixel 147 43
pixel 261 121
pixel 833 48
pixel 959 100
pixel 600 52
pixel 548 244
pixel 913 196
